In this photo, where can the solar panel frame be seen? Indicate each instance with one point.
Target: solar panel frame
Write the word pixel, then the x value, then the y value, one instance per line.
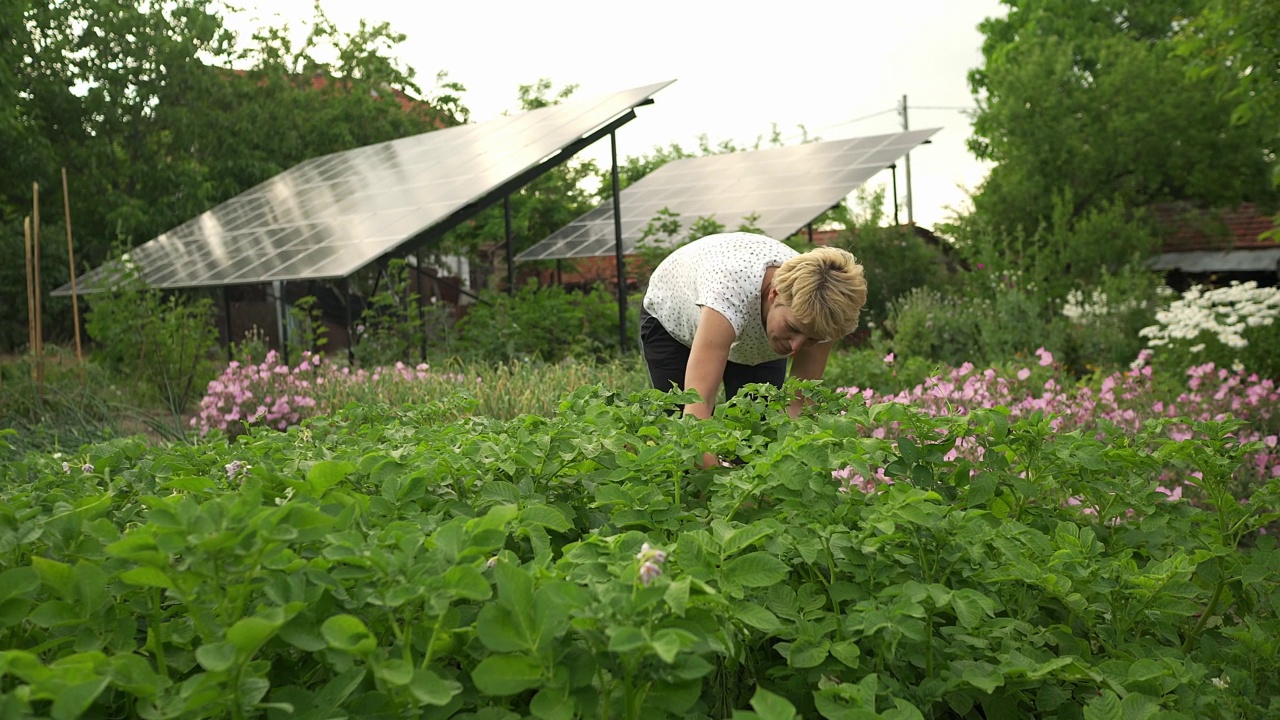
pixel 369 201
pixel 787 187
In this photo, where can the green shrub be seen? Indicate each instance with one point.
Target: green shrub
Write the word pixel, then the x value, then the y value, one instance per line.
pixel 877 368
pixel 928 324
pixel 166 341
pixel 547 324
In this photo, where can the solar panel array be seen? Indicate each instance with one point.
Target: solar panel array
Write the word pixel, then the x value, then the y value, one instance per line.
pixel 785 188
pixel 330 216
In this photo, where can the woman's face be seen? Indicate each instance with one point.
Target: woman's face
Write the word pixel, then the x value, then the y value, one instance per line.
pixel 787 335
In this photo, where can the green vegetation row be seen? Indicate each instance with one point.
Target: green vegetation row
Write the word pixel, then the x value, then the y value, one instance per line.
pixel 400 563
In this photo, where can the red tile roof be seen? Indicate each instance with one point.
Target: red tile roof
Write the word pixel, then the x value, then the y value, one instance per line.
pixel 1188 228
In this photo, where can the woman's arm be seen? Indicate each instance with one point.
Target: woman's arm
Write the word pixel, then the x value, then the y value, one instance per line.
pixel 707 358
pixel 808 364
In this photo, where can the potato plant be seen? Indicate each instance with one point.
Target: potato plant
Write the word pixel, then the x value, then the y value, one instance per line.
pixel 403 563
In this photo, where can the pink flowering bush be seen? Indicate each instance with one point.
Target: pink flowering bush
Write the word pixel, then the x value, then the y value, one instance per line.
pixel 271 394
pixel 1125 400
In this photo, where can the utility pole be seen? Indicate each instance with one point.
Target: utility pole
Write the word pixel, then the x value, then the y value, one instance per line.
pixel 911 217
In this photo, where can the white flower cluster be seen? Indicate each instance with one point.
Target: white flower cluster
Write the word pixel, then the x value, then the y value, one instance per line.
pixel 1226 313
pixel 1078 308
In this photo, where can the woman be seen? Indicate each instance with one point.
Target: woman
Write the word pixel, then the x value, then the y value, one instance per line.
pixel 734 307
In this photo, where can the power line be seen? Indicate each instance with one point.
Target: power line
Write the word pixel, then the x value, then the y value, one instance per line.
pixel 860 119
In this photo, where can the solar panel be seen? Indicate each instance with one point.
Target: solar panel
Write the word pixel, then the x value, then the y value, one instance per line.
pixel 785 187
pixel 329 216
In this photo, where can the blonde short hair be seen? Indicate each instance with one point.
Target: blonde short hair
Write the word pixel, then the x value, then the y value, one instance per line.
pixel 825 288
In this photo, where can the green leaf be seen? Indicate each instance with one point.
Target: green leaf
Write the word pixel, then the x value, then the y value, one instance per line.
pixel 666 645
pixel 348 632
pixel 396 671
pixel 132 674
pixel 808 652
pixel 18 581
pixel 1146 669
pixel 772 707
pixel 983 676
pixel 55 613
pixel 552 704
pixel 336 692
pixel 757 569
pixel 971 607
pixel 847 652
pixel 626 639
pixel 756 616
pixel 326 474
pixel 546 516
pixel 55 575
pixel 1137 706
pixel 497 629
pixel 248 634
pixel 431 689
pixel 1104 707
pixel 506 674
pixel 902 710
pixel 72 701
pixel 146 577
pixel 744 537
pixel 302 634
pixel 468 583
pixel 216 657
pixel 496 519
pixel 677 596
pixel 515 588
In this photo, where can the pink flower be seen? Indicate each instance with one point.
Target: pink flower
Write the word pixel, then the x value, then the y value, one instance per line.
pixel 1046 357
pixel 1023 374
pixel 649 572
pixel 888 359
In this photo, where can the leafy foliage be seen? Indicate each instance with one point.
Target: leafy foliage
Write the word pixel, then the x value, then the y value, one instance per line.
pixel 1059 116
pixel 385 562
pixel 139 102
pixel 548 324
pixel 166 341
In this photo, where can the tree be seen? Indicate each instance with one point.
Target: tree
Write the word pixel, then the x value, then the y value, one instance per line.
pixel 1088 104
pixel 159 112
pixel 1239 41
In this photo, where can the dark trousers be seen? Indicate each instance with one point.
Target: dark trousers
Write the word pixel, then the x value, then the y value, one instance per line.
pixel 667 359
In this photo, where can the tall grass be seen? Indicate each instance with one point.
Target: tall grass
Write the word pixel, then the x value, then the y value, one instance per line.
pixel 76 404
pixel 512 389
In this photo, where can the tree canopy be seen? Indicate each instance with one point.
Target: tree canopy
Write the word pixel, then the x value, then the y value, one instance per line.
pixel 1091 105
pixel 158 112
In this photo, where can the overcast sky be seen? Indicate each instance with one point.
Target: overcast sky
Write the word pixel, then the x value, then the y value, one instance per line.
pixel 739 67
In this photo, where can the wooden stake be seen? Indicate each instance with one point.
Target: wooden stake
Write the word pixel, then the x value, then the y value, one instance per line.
pixel 31 296
pixel 71 262
pixel 35 256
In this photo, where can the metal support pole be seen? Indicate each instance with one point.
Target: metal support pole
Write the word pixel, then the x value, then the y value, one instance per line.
pixel 617 247
pixel 894 168
pixel 282 325
pixel 511 255
pixel 810 227
pixel 346 310
pixel 226 320
pixel 911 216
pixel 559 277
pixel 422 311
